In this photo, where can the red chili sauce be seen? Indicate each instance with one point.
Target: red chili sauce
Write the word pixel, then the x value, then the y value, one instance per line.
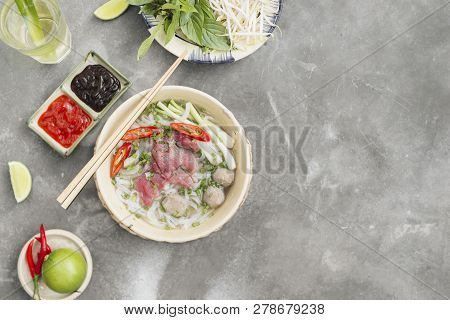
pixel 64 120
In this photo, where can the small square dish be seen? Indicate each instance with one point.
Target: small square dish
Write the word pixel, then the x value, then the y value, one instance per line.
pixel 54 118
pixel 95 85
pixel 76 106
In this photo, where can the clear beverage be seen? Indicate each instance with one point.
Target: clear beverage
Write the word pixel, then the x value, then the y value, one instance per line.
pixel 55 40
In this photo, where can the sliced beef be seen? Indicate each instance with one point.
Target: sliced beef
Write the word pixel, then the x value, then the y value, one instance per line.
pixel 186 160
pixel 171 165
pixel 182 178
pixel 165 155
pixel 158 180
pixel 147 190
pixel 169 157
pixel 185 141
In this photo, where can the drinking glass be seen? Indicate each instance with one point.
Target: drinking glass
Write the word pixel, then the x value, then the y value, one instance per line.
pixel 45 38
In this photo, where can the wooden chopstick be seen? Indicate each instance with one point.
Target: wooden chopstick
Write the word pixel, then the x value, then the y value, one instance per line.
pixel 80 180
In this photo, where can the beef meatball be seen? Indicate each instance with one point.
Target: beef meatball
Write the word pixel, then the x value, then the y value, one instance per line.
pixel 175 204
pixel 224 177
pixel 214 196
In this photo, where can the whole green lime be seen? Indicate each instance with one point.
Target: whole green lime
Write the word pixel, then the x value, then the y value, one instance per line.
pixel 64 270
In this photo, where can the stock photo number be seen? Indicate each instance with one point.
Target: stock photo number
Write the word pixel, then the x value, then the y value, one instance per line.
pixel 288 308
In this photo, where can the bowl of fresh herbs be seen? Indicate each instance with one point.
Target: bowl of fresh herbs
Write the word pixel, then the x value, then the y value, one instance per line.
pixel 214 31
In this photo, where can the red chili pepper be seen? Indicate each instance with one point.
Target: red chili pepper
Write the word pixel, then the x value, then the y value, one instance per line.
pixel 30 260
pixel 119 158
pixel 193 131
pixel 48 250
pixel 138 133
pixel 44 250
pixel 32 268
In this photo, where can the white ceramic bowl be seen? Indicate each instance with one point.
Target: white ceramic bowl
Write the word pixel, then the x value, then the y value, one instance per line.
pixel 236 193
pixel 56 239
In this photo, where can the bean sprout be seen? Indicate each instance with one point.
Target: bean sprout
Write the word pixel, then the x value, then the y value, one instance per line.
pixel 245 20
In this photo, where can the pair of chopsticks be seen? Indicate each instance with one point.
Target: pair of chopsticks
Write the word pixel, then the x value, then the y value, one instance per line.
pixel 78 183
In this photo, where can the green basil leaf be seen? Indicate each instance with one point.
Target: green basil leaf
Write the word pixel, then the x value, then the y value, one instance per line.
pixel 205 7
pixel 174 24
pixel 146 44
pixel 148 9
pixel 200 13
pixel 170 6
pixel 188 6
pixel 214 35
pixel 185 17
pixel 167 22
pixel 193 28
pixel 188 2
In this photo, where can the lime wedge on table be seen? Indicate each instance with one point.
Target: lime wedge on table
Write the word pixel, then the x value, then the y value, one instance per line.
pixel 20 180
pixel 112 9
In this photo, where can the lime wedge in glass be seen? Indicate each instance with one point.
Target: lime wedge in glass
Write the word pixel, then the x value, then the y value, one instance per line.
pixel 20 180
pixel 111 10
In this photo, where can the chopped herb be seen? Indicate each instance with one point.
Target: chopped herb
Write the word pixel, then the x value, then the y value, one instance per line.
pixel 145 157
pixel 168 132
pixel 205 208
pixel 204 184
pixel 176 215
pixel 149 175
pixel 148 110
pixel 208 168
pixel 158 136
pixel 195 224
pixel 183 191
pixel 215 184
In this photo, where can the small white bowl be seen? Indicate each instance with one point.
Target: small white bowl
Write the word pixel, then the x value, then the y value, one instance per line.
pixel 236 193
pixel 56 239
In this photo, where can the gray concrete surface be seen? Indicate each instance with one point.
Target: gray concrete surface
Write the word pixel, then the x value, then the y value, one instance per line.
pixel 369 220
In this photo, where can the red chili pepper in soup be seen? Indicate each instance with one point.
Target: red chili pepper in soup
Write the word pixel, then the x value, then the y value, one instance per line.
pixel 193 131
pixel 119 158
pixel 138 133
